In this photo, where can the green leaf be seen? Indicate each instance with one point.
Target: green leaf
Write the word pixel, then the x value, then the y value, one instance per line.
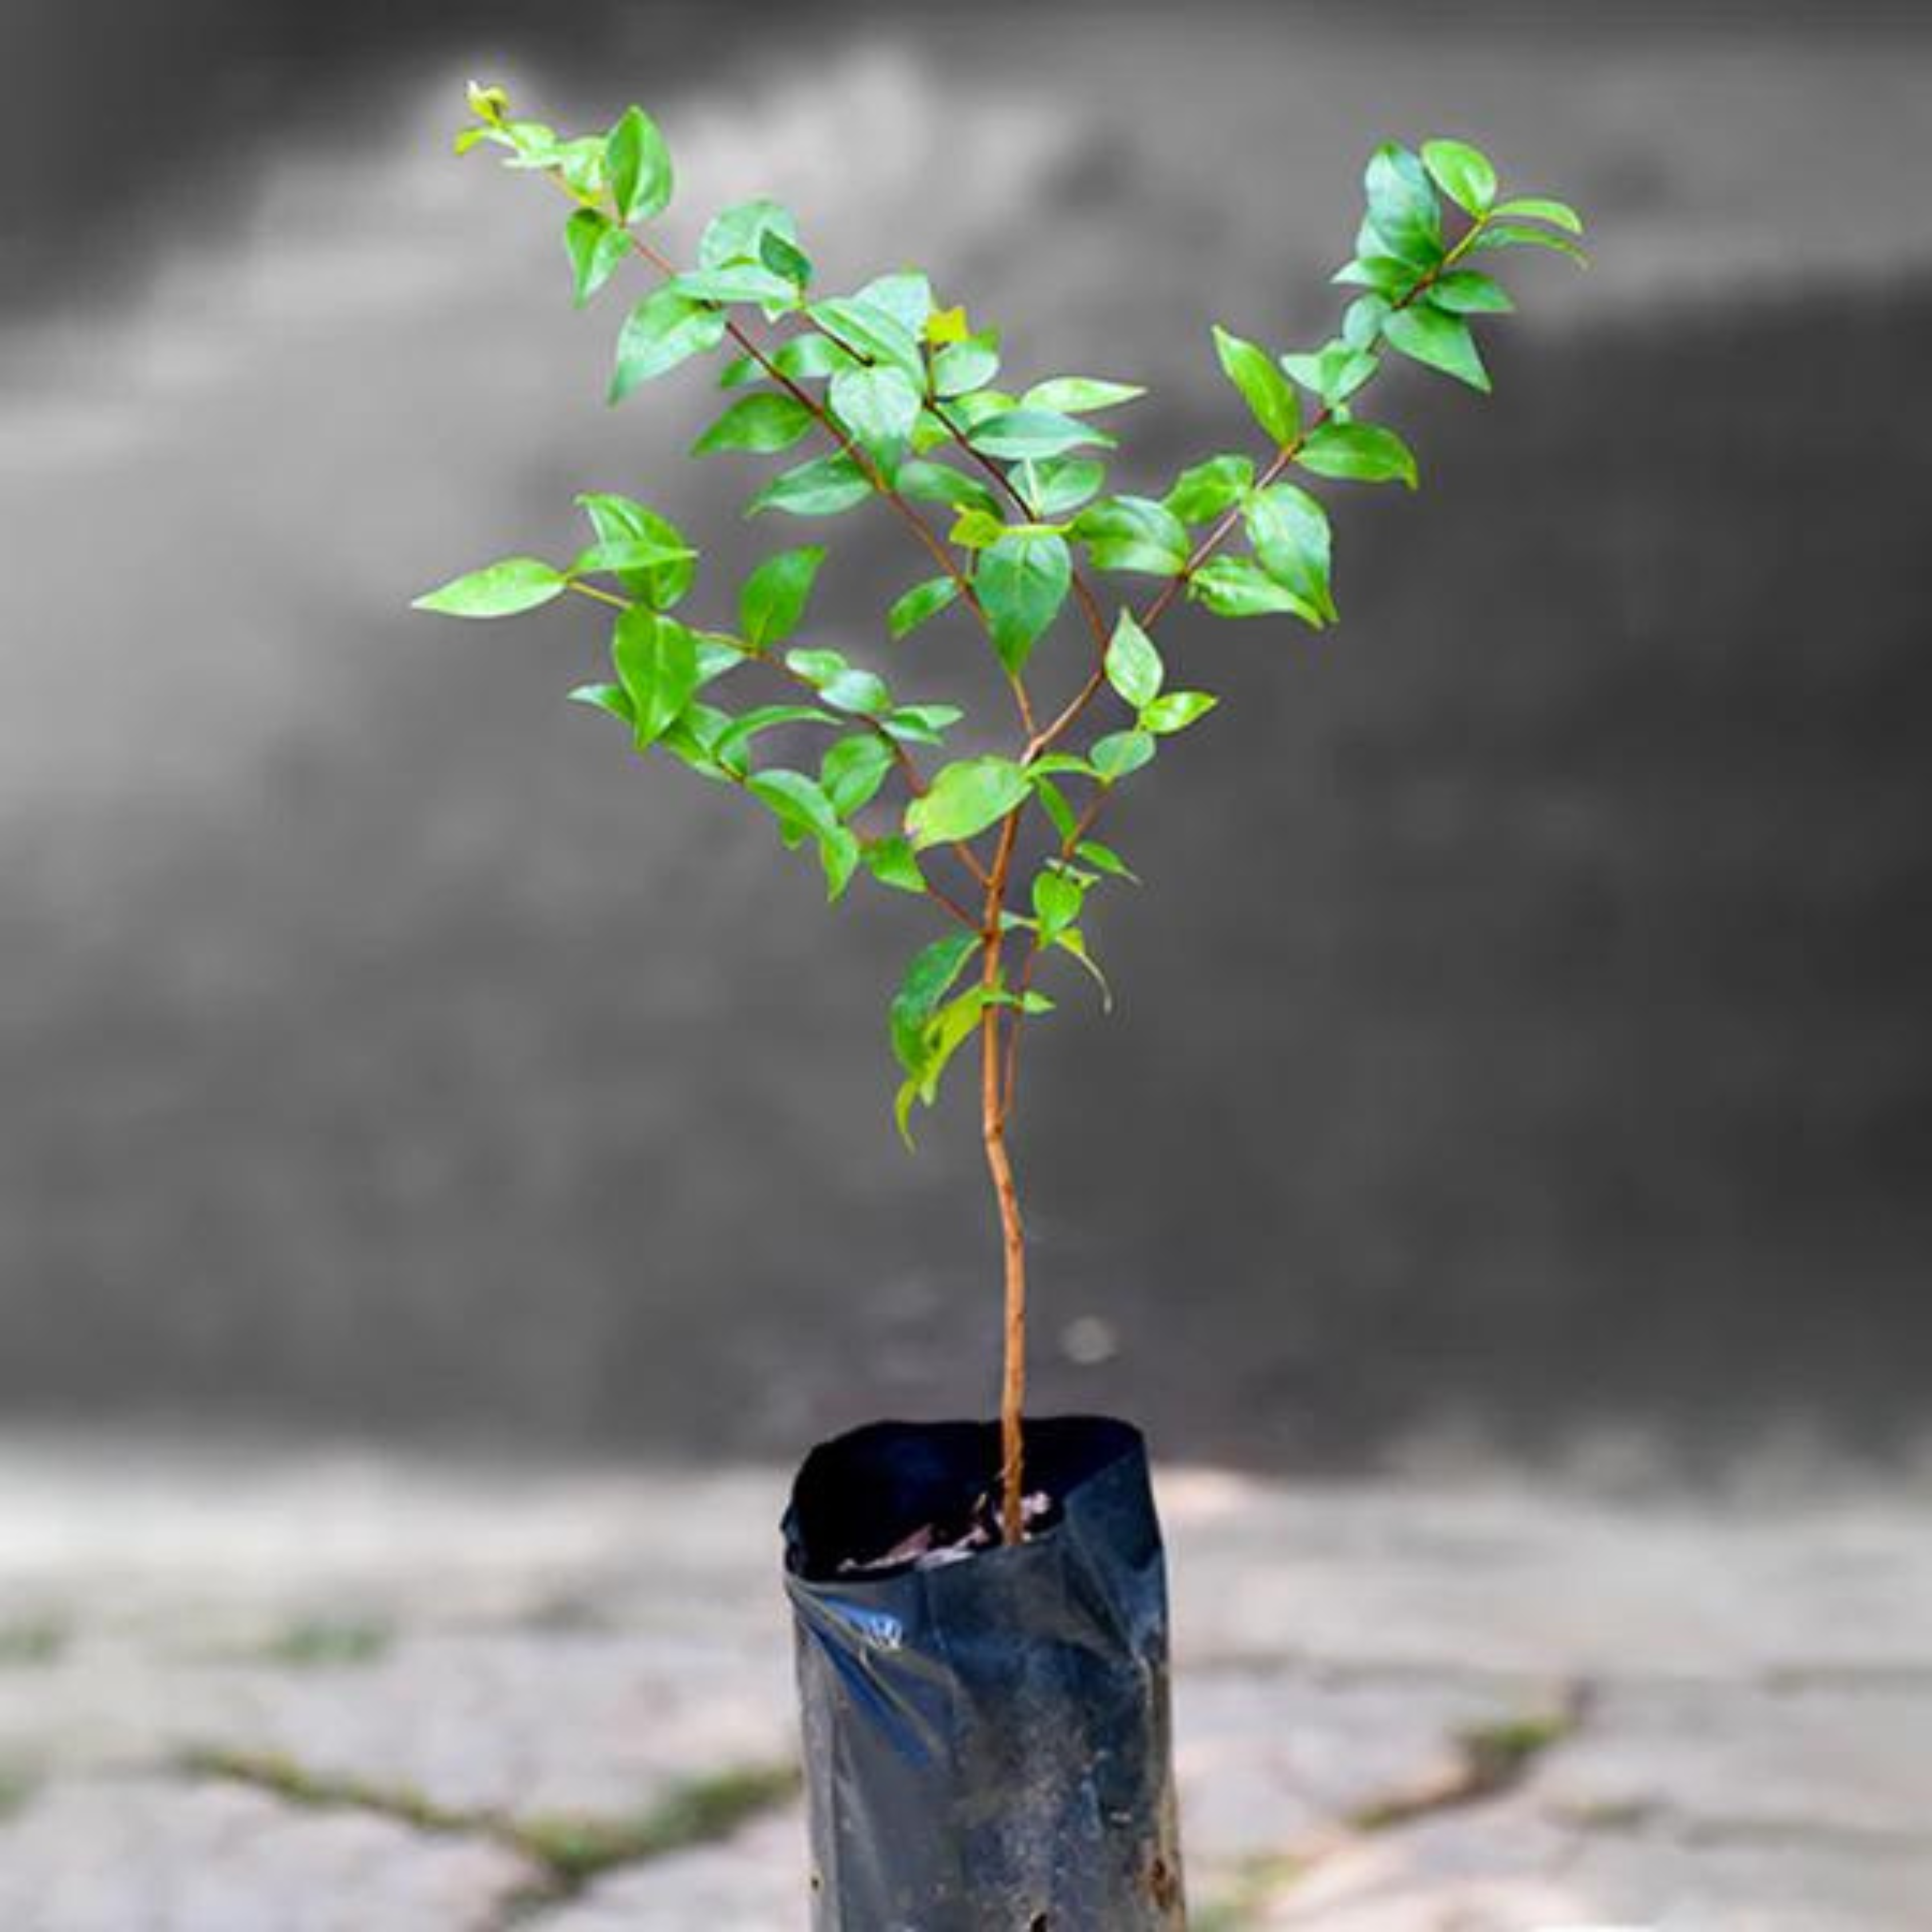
pixel 618 522
pixel 931 975
pixel 922 601
pixel 505 590
pixel 664 329
pixel 1268 393
pixel 1404 215
pixel 738 737
pixel 1514 235
pixel 1210 489
pixel 737 233
pixel 1053 801
pixel 890 861
pixel 1334 372
pixel 1059 486
pixel 802 810
pixel 1470 291
pixel 1133 533
pixel 1289 530
pixel 871 332
pixel 656 658
pixel 939 483
pixel 1073 942
pixel 596 248
pixel 822 487
pixel 1384 274
pixel 968 365
pixel 738 282
pixel 1558 214
pixel 1056 900
pixel 764 424
pixel 1175 712
pixel 805 359
pixel 1104 858
pixel 1120 754
pixel 964 799
pixel 1022 581
pixel 1019 435
pixel 772 601
pixel 1133 666
pixel 1359 452
pixel 878 405
pixel 864 693
pixel 854 770
pixel 1465 174
pixel 625 555
pixel 692 737
pixel 1075 395
pixel 922 724
pixel 1231 586
pixel 905 294
pixel 611 698
pixel 782 255
pixel 948 1030
pixel 638 164
pixel 1442 341
pixel 1362 324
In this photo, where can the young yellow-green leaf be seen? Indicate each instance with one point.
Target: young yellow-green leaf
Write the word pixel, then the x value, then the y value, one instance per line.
pixel 822 487
pixel 1075 395
pixel 1133 533
pixel 944 326
pixel 1289 531
pixel 1360 452
pixel 977 529
pixel 1133 666
pixel 853 770
pixel 964 799
pixel 737 233
pixel 1441 341
pixel 1470 291
pixel 771 602
pixel 664 329
pixel 1104 858
pixel 922 601
pixel 489 104
pixel 891 862
pixel 1120 754
pixel 1073 942
pixel 872 333
pixel 878 405
pixel 934 971
pixel 1465 174
pixel 656 660
pixel 1211 488
pixel 967 364
pixel 764 423
pixel 638 164
pixel 618 521
pixel 1268 393
pixel 1020 435
pixel 1175 712
pixel 1404 216
pixel 505 590
pixel 1231 586
pixel 596 247
pixel 1558 214
pixel 1022 581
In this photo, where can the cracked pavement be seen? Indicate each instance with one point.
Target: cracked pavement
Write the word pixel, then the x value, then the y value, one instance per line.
pixel 279 1692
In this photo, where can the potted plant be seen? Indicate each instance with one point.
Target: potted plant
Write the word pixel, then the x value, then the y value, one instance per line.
pixel 980 1608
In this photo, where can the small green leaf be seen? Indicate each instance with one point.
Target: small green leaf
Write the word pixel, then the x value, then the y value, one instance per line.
pixel 772 601
pixel 1104 858
pixel 1558 214
pixel 764 424
pixel 505 590
pixel 1289 530
pixel 1231 586
pixel 625 555
pixel 737 233
pixel 1053 801
pixel 664 329
pixel 1404 216
pixel 931 975
pixel 1515 235
pixel 741 732
pixel 1334 372
pixel 939 483
pixel 618 522
pixel 967 365
pixel 1073 942
pixel 1022 581
pixel 1019 435
pixel 879 405
pixel 611 698
pixel 1362 324
pixel 597 248
pixel 964 799
pixel 1470 291
pixel 872 333
pixel 1210 489
pixel 1133 533
pixel 853 770
pixel 1120 754
pixel 1268 393
pixel 863 693
pixel 638 164
pixel 1465 174
pixel 1133 666
pixel 782 254
pixel 738 282
pixel 1075 395
pixel 1441 341
pixel 1360 452
pixel 805 359
pixel 1060 485
pixel 656 658
pixel 922 601
pixel 822 487
pixel 1056 900
pixel 891 862
pixel 803 810
pixel 922 724
pixel 905 294
pixel 1175 712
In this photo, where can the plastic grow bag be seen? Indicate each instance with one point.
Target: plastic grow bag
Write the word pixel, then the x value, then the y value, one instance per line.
pixel 987 1740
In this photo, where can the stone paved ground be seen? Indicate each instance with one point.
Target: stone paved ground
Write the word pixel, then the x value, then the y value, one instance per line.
pixel 333 1694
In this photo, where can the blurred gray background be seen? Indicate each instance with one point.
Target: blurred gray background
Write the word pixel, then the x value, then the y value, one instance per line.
pixel 1524 1042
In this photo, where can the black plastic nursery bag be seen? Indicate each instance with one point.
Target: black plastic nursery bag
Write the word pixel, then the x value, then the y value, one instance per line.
pixel 986 1738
